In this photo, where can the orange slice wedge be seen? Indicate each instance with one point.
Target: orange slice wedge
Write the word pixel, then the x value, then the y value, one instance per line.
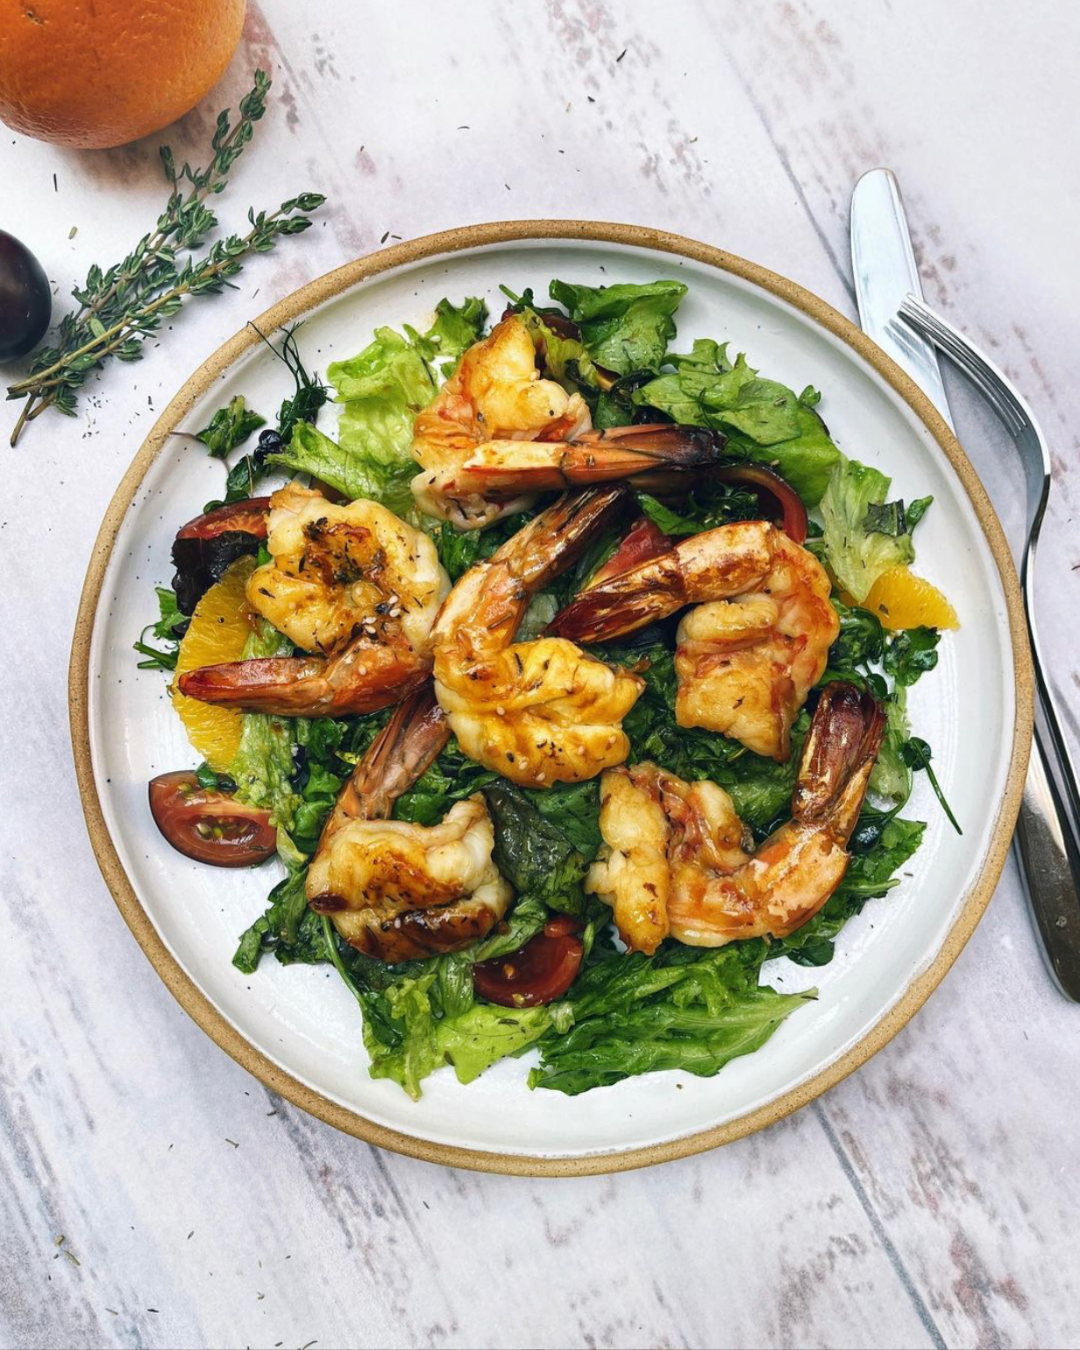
pixel 219 629
pixel 900 599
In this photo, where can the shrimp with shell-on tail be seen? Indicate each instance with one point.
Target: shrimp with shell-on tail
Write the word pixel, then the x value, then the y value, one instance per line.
pixel 539 712
pixel 399 891
pixel 678 862
pixel 351 584
pixel 497 434
pixel 753 646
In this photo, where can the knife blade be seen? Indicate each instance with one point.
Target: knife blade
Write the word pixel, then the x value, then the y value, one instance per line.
pixel 885 272
pixel 883 262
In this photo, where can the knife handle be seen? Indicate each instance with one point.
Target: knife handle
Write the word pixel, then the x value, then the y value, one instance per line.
pixel 1050 867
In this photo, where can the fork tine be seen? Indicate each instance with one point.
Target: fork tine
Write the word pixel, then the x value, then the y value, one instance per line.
pixel 978 369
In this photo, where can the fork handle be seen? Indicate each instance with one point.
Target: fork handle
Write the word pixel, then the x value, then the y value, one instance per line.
pixel 1051 864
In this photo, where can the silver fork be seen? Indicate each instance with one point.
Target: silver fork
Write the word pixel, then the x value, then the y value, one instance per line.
pixel 1048 830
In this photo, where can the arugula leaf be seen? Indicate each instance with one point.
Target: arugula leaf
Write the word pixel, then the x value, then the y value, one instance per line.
pixel 686 1008
pixel 624 327
pixel 870 875
pixel 532 853
pixel 917 510
pixel 762 419
pixel 861 639
pixel 671 522
pixel 856 556
pixel 279 928
pixel 911 653
pixel 169 629
pixel 708 506
pixel 229 426
pixel 916 755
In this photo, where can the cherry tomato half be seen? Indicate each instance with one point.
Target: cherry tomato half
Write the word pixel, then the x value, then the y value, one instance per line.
pixel 645 540
pixel 207 825
pixel 542 971
pixel 767 483
pixel 245 517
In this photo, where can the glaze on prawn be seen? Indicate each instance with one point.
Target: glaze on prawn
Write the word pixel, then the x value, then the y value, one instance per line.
pixel 353 585
pixel 496 434
pixel 756 643
pixel 395 890
pixel 537 712
pixel 677 861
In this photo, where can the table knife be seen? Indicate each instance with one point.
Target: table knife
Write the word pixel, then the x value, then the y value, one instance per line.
pixel 885 274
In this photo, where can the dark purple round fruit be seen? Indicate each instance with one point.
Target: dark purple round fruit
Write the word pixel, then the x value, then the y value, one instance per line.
pixel 25 299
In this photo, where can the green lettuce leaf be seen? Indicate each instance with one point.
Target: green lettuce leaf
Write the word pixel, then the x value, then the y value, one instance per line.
pixel 762 419
pixel 686 1008
pixel 408 1033
pixel 890 778
pixel 624 327
pixel 456 327
pixel 858 556
pixel 532 853
pixel 381 390
pixel 262 767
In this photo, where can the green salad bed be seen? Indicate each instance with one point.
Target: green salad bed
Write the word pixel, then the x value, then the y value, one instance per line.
pixel 685 1008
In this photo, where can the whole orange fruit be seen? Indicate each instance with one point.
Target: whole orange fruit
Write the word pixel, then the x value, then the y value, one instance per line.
pixel 97 73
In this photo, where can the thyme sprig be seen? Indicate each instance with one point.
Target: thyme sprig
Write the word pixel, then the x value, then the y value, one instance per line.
pixel 122 305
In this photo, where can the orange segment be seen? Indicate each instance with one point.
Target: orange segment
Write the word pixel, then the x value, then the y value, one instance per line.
pixel 900 599
pixel 220 627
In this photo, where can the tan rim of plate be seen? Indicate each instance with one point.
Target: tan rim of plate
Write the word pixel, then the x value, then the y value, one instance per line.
pixel 202 1010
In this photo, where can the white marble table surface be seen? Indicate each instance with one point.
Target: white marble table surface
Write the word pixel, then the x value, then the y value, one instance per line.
pixel 931 1199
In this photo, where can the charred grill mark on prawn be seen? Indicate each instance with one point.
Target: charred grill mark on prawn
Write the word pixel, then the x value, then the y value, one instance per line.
pixel 754 645
pixel 353 585
pixel 396 891
pixel 678 862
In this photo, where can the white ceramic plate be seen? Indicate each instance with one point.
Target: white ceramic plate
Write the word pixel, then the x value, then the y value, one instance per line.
pixel 298 1027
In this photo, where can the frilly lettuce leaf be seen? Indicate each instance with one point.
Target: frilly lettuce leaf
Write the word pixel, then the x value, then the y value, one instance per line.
pixel 381 390
pixel 409 1032
pixel 262 767
pixel 856 554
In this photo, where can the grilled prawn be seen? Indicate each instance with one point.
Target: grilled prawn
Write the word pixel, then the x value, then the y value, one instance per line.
pixel 496 434
pixel 537 712
pixel 677 861
pixel 754 646
pixel 353 585
pixel 398 891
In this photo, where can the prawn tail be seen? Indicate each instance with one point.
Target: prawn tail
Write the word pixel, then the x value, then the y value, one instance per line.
pixel 629 452
pixel 837 758
pixel 363 679
pixel 416 733
pixel 271 684
pixel 625 602
pixel 552 541
pixel 657 456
